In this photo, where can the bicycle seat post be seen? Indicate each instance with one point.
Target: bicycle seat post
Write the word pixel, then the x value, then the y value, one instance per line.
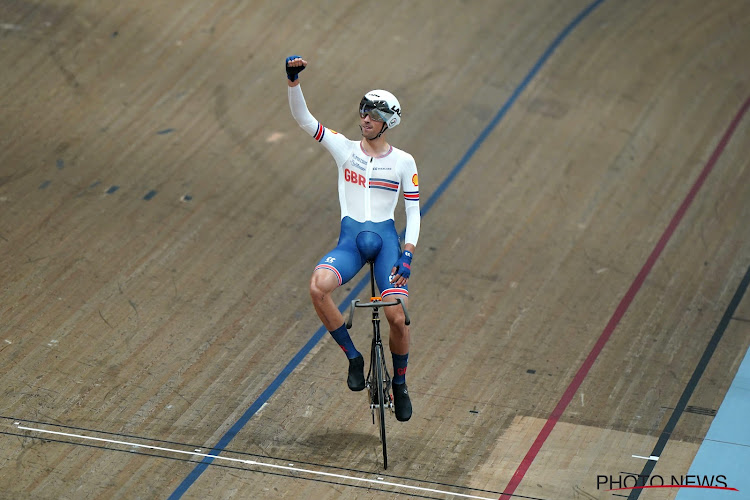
pixel 372 279
pixel 374 299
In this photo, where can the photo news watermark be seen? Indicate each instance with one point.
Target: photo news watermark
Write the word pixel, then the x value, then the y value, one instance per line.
pixel 640 481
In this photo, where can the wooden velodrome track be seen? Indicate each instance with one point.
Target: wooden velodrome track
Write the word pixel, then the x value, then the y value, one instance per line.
pixel 585 189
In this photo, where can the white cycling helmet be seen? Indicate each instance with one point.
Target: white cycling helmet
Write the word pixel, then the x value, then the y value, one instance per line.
pixel 382 106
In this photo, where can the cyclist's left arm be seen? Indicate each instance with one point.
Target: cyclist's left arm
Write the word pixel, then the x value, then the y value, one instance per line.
pixel 410 181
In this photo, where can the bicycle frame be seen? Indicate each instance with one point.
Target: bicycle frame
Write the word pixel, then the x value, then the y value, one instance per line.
pixel 379 393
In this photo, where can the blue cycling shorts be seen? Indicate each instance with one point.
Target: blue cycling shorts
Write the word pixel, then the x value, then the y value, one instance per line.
pixel 345 261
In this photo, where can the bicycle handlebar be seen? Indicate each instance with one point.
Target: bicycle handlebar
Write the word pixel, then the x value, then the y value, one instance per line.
pixel 376 304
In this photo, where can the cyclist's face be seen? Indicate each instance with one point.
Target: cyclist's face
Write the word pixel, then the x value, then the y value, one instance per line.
pixel 370 128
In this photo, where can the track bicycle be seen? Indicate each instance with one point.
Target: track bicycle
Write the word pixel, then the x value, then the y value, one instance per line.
pixel 378 381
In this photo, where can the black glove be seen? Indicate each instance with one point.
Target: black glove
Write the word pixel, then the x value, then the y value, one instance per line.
pixel 292 72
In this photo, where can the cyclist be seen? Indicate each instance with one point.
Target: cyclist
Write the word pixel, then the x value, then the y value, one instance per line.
pixel 371 173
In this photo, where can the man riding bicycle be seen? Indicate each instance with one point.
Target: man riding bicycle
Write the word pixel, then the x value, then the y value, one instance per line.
pixel 371 173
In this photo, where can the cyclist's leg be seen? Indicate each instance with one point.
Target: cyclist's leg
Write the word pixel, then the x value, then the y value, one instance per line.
pixel 398 339
pixel 399 335
pixel 336 268
pixel 323 282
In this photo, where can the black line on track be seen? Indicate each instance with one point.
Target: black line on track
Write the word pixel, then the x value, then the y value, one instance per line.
pixel 693 382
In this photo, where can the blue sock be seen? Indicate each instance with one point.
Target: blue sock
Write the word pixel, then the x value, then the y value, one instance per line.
pixel 342 338
pixel 399 367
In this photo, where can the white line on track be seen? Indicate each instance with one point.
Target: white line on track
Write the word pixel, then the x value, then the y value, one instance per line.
pixel 378 481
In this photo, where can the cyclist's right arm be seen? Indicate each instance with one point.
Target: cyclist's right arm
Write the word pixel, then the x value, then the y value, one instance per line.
pixel 335 143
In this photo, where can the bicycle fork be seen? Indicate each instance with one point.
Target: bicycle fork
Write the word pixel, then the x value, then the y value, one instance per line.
pixel 376 352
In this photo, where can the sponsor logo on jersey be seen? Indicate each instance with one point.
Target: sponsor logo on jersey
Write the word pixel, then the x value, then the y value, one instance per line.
pixel 356 165
pixel 415 180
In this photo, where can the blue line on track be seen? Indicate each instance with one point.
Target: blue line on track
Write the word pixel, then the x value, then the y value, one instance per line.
pixel 297 359
pixel 508 104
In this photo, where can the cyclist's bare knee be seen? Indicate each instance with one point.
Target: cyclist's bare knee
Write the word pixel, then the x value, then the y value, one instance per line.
pixel 395 316
pixel 322 283
pixel 398 338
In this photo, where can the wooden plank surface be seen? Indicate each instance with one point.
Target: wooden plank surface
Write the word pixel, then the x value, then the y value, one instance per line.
pixel 161 212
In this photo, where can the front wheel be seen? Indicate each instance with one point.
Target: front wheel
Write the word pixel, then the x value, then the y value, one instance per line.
pixel 379 370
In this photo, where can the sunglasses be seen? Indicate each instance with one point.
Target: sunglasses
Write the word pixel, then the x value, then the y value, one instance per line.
pixel 377 110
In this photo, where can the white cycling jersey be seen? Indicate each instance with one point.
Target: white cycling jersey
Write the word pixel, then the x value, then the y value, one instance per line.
pixel 368 185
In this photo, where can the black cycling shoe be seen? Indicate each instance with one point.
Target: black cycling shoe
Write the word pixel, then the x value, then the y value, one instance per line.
pixel 356 378
pixel 401 402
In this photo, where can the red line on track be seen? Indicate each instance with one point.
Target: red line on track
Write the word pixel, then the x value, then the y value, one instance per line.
pixel 621 309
